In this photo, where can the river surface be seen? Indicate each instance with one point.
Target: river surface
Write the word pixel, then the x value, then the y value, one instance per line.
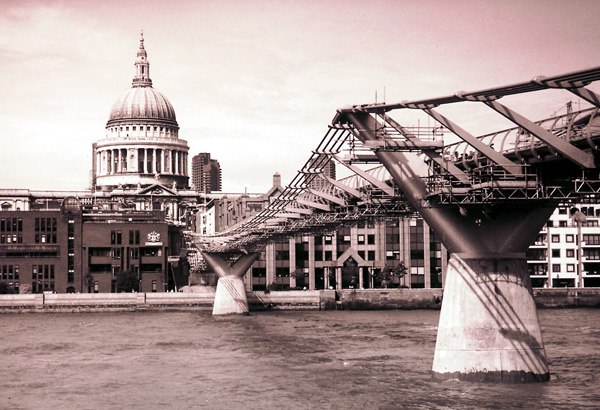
pixel 272 360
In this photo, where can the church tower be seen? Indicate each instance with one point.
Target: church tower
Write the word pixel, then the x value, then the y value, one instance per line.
pixel 141 146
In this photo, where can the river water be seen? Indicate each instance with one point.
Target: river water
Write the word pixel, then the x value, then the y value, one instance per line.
pixel 271 360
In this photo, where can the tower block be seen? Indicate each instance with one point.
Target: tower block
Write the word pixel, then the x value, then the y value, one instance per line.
pixel 489 328
pixel 230 297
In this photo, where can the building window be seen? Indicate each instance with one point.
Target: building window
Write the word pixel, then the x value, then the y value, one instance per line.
pixel 570 238
pixel 591 239
pixel 570 267
pixel 153 285
pixel 556 267
pixel 134 237
pixel 555 238
pixel 371 239
pixel 556 253
pixel 592 254
pixel 570 253
pixel 361 239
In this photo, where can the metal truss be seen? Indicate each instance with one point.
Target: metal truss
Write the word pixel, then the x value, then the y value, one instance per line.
pixel 507 166
pixel 314 203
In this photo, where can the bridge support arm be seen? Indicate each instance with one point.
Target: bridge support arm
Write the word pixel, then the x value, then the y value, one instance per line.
pixel 486 150
pixel 581 158
pixel 230 297
pixel 436 157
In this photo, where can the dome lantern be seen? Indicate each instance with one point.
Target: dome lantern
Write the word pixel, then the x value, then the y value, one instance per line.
pixel 142 67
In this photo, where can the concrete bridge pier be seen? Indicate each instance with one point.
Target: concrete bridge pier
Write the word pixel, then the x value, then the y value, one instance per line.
pixel 489 329
pixel 230 297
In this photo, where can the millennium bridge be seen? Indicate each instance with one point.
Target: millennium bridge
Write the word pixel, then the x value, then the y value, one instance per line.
pixel 486 197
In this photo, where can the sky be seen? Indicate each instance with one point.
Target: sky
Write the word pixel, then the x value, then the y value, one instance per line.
pixel 256 83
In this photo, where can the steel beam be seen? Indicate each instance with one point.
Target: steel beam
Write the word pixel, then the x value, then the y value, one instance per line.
pixel 435 156
pixel 581 158
pixel 343 187
pixel 312 204
pixel 328 197
pixel 365 175
pixel 476 143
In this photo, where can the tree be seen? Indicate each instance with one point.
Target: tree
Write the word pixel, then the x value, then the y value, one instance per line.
pixel 25 289
pixel 127 281
pixel 386 275
pixel 88 281
pixel 350 273
pixel 298 274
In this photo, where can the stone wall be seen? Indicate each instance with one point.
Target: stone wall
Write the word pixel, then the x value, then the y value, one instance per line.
pixel 567 297
pixel 364 299
pixel 348 299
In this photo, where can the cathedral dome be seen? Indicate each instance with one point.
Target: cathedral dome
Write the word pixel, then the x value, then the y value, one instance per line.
pixel 142 145
pixel 143 103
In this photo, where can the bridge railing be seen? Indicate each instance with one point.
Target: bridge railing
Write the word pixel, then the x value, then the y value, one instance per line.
pixel 572 126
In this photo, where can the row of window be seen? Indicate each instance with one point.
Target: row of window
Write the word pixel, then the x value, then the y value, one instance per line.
pixel 39 272
pixel 11 238
pixel 45 238
pixel 556 268
pixel 42 286
pixel 45 224
pixel 134 253
pixel 116 237
pixel 147 128
pixel 11 225
pixel 16 225
pixel 9 272
pixel 588 239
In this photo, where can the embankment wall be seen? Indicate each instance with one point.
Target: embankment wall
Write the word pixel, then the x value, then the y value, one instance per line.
pixel 347 299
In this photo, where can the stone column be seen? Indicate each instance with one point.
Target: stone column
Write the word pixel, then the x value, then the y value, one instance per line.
pixel 338 278
pixel 360 277
pixel 153 161
pixel 489 328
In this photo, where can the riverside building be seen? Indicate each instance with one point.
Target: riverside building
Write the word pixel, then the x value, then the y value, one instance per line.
pixel 134 215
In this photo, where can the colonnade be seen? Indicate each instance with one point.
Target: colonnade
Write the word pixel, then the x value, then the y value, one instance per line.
pixel 142 161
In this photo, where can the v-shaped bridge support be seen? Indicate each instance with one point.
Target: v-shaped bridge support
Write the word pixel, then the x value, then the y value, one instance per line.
pixel 230 297
pixel 489 329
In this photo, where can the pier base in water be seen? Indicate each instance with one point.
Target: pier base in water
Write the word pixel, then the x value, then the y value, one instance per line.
pixel 230 297
pixel 489 329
